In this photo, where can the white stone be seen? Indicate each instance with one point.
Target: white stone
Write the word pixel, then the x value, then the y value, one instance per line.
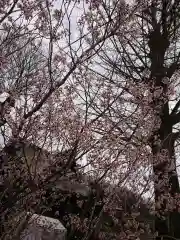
pixel 43 228
pixel 4 96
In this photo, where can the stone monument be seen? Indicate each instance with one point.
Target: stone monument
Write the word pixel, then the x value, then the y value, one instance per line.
pixel 40 227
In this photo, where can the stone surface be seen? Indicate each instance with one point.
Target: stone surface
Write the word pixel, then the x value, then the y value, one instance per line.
pixel 43 228
pixel 73 186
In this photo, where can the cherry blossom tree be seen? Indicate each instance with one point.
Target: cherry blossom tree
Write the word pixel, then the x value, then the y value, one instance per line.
pixel 143 61
pixel 44 52
pixel 96 83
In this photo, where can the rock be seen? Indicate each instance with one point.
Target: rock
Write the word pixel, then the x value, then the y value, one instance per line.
pixel 40 227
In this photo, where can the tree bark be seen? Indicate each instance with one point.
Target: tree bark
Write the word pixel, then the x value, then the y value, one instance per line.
pixel 166 185
pixel 166 172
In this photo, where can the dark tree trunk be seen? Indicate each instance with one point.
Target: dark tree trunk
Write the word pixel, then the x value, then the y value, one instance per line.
pixel 162 143
pixel 169 226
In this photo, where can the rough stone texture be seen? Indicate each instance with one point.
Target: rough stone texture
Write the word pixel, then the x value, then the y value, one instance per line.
pixel 44 228
pixel 73 186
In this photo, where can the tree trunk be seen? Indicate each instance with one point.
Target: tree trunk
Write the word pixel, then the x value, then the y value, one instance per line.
pixel 166 185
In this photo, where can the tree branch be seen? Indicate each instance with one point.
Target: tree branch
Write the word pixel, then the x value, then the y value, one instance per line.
pixel 175 118
pixel 175 109
pixel 9 12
